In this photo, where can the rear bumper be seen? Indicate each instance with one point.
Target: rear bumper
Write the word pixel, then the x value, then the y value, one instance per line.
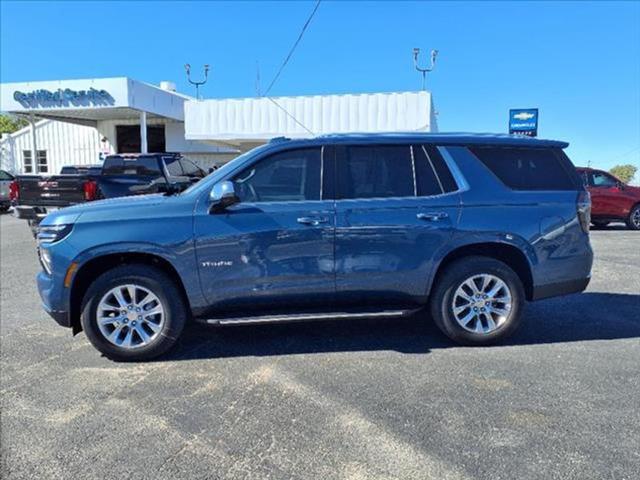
pixel 24 212
pixel 561 288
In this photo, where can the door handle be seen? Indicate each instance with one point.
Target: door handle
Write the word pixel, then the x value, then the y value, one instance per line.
pixel 432 217
pixel 313 221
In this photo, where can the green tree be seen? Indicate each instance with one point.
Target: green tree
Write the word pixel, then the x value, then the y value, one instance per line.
pixel 624 172
pixel 10 124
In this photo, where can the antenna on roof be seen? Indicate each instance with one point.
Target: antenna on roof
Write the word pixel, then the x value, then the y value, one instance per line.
pixel 424 70
pixel 187 67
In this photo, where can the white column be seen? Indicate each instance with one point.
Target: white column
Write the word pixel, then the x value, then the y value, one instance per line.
pixel 143 132
pixel 34 146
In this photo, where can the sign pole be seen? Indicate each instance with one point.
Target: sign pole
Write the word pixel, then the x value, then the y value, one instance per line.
pixel 34 147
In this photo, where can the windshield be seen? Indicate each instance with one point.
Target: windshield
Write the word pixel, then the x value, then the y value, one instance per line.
pixel 221 172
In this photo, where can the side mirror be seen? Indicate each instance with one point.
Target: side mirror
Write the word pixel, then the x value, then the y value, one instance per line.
pixel 222 195
pixel 621 186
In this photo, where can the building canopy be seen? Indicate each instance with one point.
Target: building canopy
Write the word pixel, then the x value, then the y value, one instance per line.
pixel 88 101
pixel 243 122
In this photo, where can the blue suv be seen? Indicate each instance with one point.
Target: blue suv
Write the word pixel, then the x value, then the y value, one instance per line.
pixel 466 228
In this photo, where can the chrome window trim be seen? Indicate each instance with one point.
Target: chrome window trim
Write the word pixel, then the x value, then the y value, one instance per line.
pixel 322 173
pixel 458 177
pixel 413 168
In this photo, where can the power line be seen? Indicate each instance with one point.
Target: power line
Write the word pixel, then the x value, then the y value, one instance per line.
pixel 624 154
pixel 288 57
pixel 290 115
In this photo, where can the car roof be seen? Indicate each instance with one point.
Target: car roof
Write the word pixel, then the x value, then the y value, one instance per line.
pixel 462 139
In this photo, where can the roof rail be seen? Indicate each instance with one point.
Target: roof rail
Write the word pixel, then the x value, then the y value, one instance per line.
pixel 279 139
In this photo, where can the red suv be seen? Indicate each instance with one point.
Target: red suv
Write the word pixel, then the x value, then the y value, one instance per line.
pixel 611 199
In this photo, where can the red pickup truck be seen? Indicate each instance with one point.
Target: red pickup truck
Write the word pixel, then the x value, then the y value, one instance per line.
pixel 611 199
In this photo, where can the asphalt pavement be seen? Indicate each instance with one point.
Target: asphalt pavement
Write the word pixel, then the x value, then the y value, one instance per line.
pixel 369 399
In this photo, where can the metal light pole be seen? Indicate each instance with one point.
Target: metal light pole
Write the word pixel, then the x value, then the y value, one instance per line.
pixel 424 70
pixel 187 67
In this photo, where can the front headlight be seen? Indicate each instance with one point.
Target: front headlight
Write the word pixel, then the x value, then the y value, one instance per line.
pixel 46 235
pixel 52 233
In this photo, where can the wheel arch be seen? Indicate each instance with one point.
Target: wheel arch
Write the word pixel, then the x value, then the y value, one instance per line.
pixel 507 253
pixel 100 264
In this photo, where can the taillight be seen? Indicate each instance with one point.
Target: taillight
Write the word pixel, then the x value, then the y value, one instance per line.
pixel 583 206
pixel 90 188
pixel 14 191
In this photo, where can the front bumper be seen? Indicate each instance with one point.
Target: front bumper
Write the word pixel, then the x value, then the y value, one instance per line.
pixel 52 297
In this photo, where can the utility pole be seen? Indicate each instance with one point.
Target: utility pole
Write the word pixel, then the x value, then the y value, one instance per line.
pixel 424 70
pixel 187 67
pixel 258 94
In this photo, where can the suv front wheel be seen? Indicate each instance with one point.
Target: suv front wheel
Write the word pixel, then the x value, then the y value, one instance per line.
pixel 133 312
pixel 477 301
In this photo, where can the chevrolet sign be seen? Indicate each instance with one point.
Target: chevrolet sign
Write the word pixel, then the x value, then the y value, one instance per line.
pixel 524 121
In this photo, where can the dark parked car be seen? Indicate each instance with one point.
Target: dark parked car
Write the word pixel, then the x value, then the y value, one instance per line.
pixel 611 199
pixel 137 174
pixel 466 227
pixel 120 175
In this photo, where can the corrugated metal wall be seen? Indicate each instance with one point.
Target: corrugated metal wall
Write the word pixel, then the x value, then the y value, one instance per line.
pixel 65 143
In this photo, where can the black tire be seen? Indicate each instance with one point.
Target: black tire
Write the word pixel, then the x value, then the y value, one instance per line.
pixel 600 224
pixel 633 221
pixel 152 279
pixel 453 277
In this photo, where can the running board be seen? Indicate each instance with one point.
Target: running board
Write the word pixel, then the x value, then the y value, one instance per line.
pixel 302 317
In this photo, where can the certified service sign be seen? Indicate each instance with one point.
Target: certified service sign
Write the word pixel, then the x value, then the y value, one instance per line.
pixel 524 121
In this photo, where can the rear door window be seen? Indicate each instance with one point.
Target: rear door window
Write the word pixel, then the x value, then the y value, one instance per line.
pixel 174 168
pixel 528 168
pixel 380 171
pixel 142 165
pixel 191 169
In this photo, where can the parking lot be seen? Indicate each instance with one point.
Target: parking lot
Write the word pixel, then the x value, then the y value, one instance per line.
pixel 352 400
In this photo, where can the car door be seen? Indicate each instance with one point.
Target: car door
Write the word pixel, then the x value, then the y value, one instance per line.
pixel 607 198
pixel 275 247
pixel 393 217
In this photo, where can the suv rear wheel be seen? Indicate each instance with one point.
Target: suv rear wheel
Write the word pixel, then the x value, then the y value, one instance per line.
pixel 133 312
pixel 477 301
pixel 633 222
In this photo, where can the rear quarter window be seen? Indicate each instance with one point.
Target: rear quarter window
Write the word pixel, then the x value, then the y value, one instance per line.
pixel 529 168
pixel 142 165
pixel 428 160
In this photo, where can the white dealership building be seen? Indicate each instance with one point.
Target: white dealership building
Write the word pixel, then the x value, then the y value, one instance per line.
pixel 78 122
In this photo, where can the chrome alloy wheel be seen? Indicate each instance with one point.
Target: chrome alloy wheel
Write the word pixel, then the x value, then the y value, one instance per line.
pixel 635 217
pixel 130 316
pixel 482 303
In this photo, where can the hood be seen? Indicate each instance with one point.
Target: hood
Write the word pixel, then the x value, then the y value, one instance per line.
pixel 121 208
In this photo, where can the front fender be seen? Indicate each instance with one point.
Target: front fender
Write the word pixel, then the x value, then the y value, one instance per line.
pixel 181 259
